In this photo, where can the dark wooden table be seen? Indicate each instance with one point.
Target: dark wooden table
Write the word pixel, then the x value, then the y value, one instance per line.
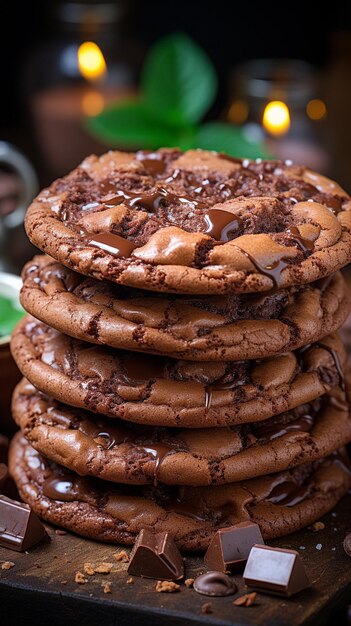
pixel 41 588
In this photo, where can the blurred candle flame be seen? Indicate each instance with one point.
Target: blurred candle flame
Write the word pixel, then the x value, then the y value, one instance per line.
pixel 93 103
pixel 276 118
pixel 238 112
pixel 91 62
pixel 316 109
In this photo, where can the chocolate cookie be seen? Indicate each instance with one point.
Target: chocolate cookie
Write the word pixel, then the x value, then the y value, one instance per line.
pixel 216 328
pixel 129 453
pixel 280 503
pixel 194 222
pixel 155 390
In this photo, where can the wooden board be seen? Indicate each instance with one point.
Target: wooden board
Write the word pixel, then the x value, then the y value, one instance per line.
pixel 41 588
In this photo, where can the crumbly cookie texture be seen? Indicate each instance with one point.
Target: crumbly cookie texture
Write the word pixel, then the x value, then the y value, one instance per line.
pixel 192 328
pixel 280 503
pixel 157 391
pixel 196 222
pixel 132 454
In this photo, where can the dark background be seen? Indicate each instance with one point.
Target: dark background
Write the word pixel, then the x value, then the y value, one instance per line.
pixel 229 31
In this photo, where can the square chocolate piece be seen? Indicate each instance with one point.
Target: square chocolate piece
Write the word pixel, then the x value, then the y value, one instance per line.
pixel 275 571
pixel 20 528
pixel 156 556
pixel 230 547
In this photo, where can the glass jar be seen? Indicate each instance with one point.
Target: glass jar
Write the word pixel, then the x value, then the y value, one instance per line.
pixel 276 101
pixel 89 62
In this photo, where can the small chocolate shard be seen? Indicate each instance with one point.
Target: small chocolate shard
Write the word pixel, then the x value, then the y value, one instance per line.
pixel 230 547
pixel 275 571
pixel 214 584
pixel 247 600
pixel 156 556
pixel 20 528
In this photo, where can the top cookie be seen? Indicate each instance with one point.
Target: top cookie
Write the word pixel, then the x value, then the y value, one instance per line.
pixel 196 222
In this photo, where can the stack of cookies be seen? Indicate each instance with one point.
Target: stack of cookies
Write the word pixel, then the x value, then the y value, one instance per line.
pixel 181 362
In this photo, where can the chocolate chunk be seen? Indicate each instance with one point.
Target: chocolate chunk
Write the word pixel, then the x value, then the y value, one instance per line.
pixel 275 571
pixel 3 474
pixel 156 556
pixel 20 528
pixel 214 584
pixel 347 544
pixel 114 244
pixel 230 547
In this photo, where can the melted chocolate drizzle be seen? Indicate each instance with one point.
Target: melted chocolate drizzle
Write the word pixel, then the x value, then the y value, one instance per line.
pixel 65 488
pixel 272 271
pixel 288 493
pixel 268 432
pixel 44 276
pixel 152 162
pixel 222 225
pixel 109 435
pixel 151 201
pixel 219 385
pixel 158 451
pixel 188 509
pixel 306 245
pixel 334 355
pixel 114 244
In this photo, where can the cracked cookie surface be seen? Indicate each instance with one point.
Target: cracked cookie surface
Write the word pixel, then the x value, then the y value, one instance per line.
pixel 133 454
pixel 161 391
pixel 280 503
pixel 198 328
pixel 196 222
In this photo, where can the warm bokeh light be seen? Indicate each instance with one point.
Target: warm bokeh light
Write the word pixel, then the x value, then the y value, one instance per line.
pixel 91 62
pixel 93 103
pixel 316 109
pixel 276 118
pixel 238 112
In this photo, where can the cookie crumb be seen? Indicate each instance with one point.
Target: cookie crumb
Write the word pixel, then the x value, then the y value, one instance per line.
pixel 80 578
pixel 106 587
pixel 88 569
pixel 247 600
pixel 122 556
pixel 63 582
pixel 188 582
pixel 206 608
pixel 317 526
pixel 103 568
pixel 130 581
pixel 59 531
pixel 166 586
pixel 7 565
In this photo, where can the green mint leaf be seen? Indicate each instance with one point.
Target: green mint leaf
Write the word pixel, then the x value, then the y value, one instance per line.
pixel 9 315
pixel 229 139
pixel 178 80
pixel 131 125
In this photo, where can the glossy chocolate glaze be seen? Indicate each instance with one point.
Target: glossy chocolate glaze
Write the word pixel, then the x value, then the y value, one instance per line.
pixel 221 225
pixel 114 244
